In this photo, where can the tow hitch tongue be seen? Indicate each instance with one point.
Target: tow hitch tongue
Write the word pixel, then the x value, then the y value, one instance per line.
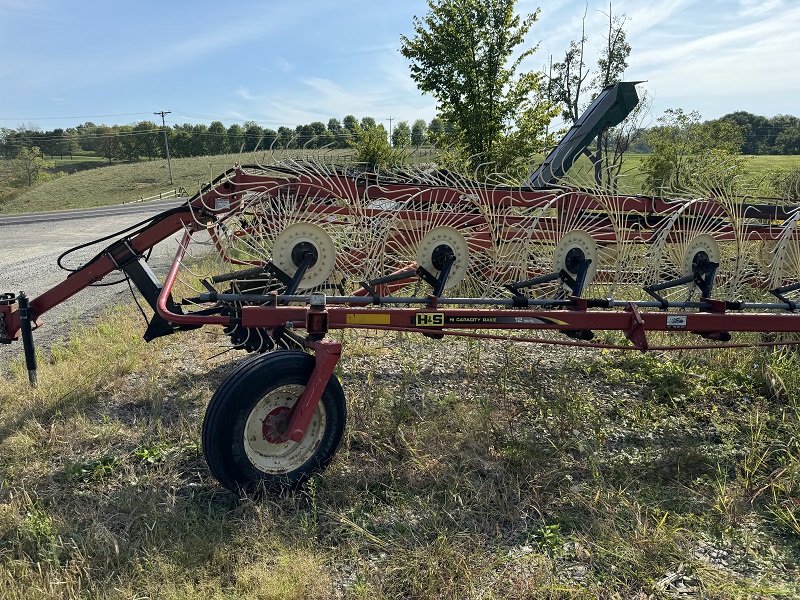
pixel 25 318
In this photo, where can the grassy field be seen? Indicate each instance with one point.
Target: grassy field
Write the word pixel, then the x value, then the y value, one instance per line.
pixel 127 182
pixel 506 471
pixel 119 183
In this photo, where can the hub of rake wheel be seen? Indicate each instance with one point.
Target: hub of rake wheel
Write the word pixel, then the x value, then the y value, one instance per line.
pixel 574 260
pixel 441 255
pixel 305 252
pixel 702 264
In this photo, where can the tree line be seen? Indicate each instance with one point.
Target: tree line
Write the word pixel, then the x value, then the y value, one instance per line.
pixel 743 132
pixel 145 139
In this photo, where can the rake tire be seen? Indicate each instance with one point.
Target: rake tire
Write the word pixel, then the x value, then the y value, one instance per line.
pixel 239 454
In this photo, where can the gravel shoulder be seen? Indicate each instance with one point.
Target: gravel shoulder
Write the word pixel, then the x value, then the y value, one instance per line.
pixel 29 251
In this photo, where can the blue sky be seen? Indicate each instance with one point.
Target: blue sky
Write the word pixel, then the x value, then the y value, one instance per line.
pixel 65 62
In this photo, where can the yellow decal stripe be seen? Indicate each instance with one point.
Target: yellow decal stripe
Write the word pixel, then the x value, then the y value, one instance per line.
pixel 367 319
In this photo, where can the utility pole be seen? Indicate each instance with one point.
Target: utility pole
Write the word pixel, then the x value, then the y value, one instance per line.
pixel 390 119
pixel 166 143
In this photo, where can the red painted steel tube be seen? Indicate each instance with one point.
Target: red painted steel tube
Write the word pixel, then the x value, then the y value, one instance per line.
pixel 169 283
pixel 326 355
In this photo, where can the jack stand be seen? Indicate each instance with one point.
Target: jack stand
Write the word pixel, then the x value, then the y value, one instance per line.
pixel 27 339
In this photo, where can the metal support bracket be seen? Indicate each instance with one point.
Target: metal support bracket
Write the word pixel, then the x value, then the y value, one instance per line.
pixel 327 353
pixel 636 334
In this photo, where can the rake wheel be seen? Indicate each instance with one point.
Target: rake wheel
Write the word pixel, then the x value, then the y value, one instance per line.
pixel 239 435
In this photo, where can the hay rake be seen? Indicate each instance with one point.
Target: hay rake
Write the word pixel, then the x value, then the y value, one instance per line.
pixel 305 247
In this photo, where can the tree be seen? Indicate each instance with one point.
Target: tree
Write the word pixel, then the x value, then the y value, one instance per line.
pixel 149 140
pixel 419 133
pixel 106 142
pixel 334 126
pixel 788 140
pixel 401 135
pixel 462 53
pixel 270 137
pixel 436 130
pixel 569 86
pixel 755 130
pixel 235 136
pixel 252 136
pixel 680 143
pixel 217 138
pixel 285 137
pixel 181 144
pixel 350 124
pixel 372 147
pixel 126 148
pixel 29 166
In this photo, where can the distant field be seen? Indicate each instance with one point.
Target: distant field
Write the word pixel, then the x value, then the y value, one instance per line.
pixel 128 182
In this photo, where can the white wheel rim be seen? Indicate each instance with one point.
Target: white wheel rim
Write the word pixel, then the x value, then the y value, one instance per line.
pixel 583 241
pixel 701 243
pixel 281 458
pixel 451 237
pixel 314 235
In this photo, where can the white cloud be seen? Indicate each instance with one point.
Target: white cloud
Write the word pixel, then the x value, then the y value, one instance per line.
pixel 754 8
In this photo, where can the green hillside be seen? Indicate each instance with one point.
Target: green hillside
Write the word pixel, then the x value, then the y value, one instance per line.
pixel 129 182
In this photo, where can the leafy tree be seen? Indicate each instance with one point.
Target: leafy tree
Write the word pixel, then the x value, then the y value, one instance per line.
pixel 217 138
pixel 372 147
pixel 777 125
pixel 149 139
pixel 419 133
pixel 305 136
pixel 755 130
pixel 125 148
pixel 350 123
pixel 312 135
pixel 235 136
pixel 200 140
pixel 343 137
pixel 462 54
pixel 8 142
pixel 270 137
pixel 401 135
pixel 181 143
pixel 69 144
pixel 29 166
pixel 436 130
pixel 285 137
pixel 788 140
pixel 679 144
pixel 334 126
pixel 252 136
pixel 368 123
pixel 105 142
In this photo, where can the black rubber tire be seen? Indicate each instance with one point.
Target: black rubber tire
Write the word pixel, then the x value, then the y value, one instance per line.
pixel 233 459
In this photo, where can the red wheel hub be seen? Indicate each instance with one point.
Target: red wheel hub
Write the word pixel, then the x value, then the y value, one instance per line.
pixel 275 424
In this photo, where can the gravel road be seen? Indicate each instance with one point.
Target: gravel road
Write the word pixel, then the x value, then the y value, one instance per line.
pixel 31 244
